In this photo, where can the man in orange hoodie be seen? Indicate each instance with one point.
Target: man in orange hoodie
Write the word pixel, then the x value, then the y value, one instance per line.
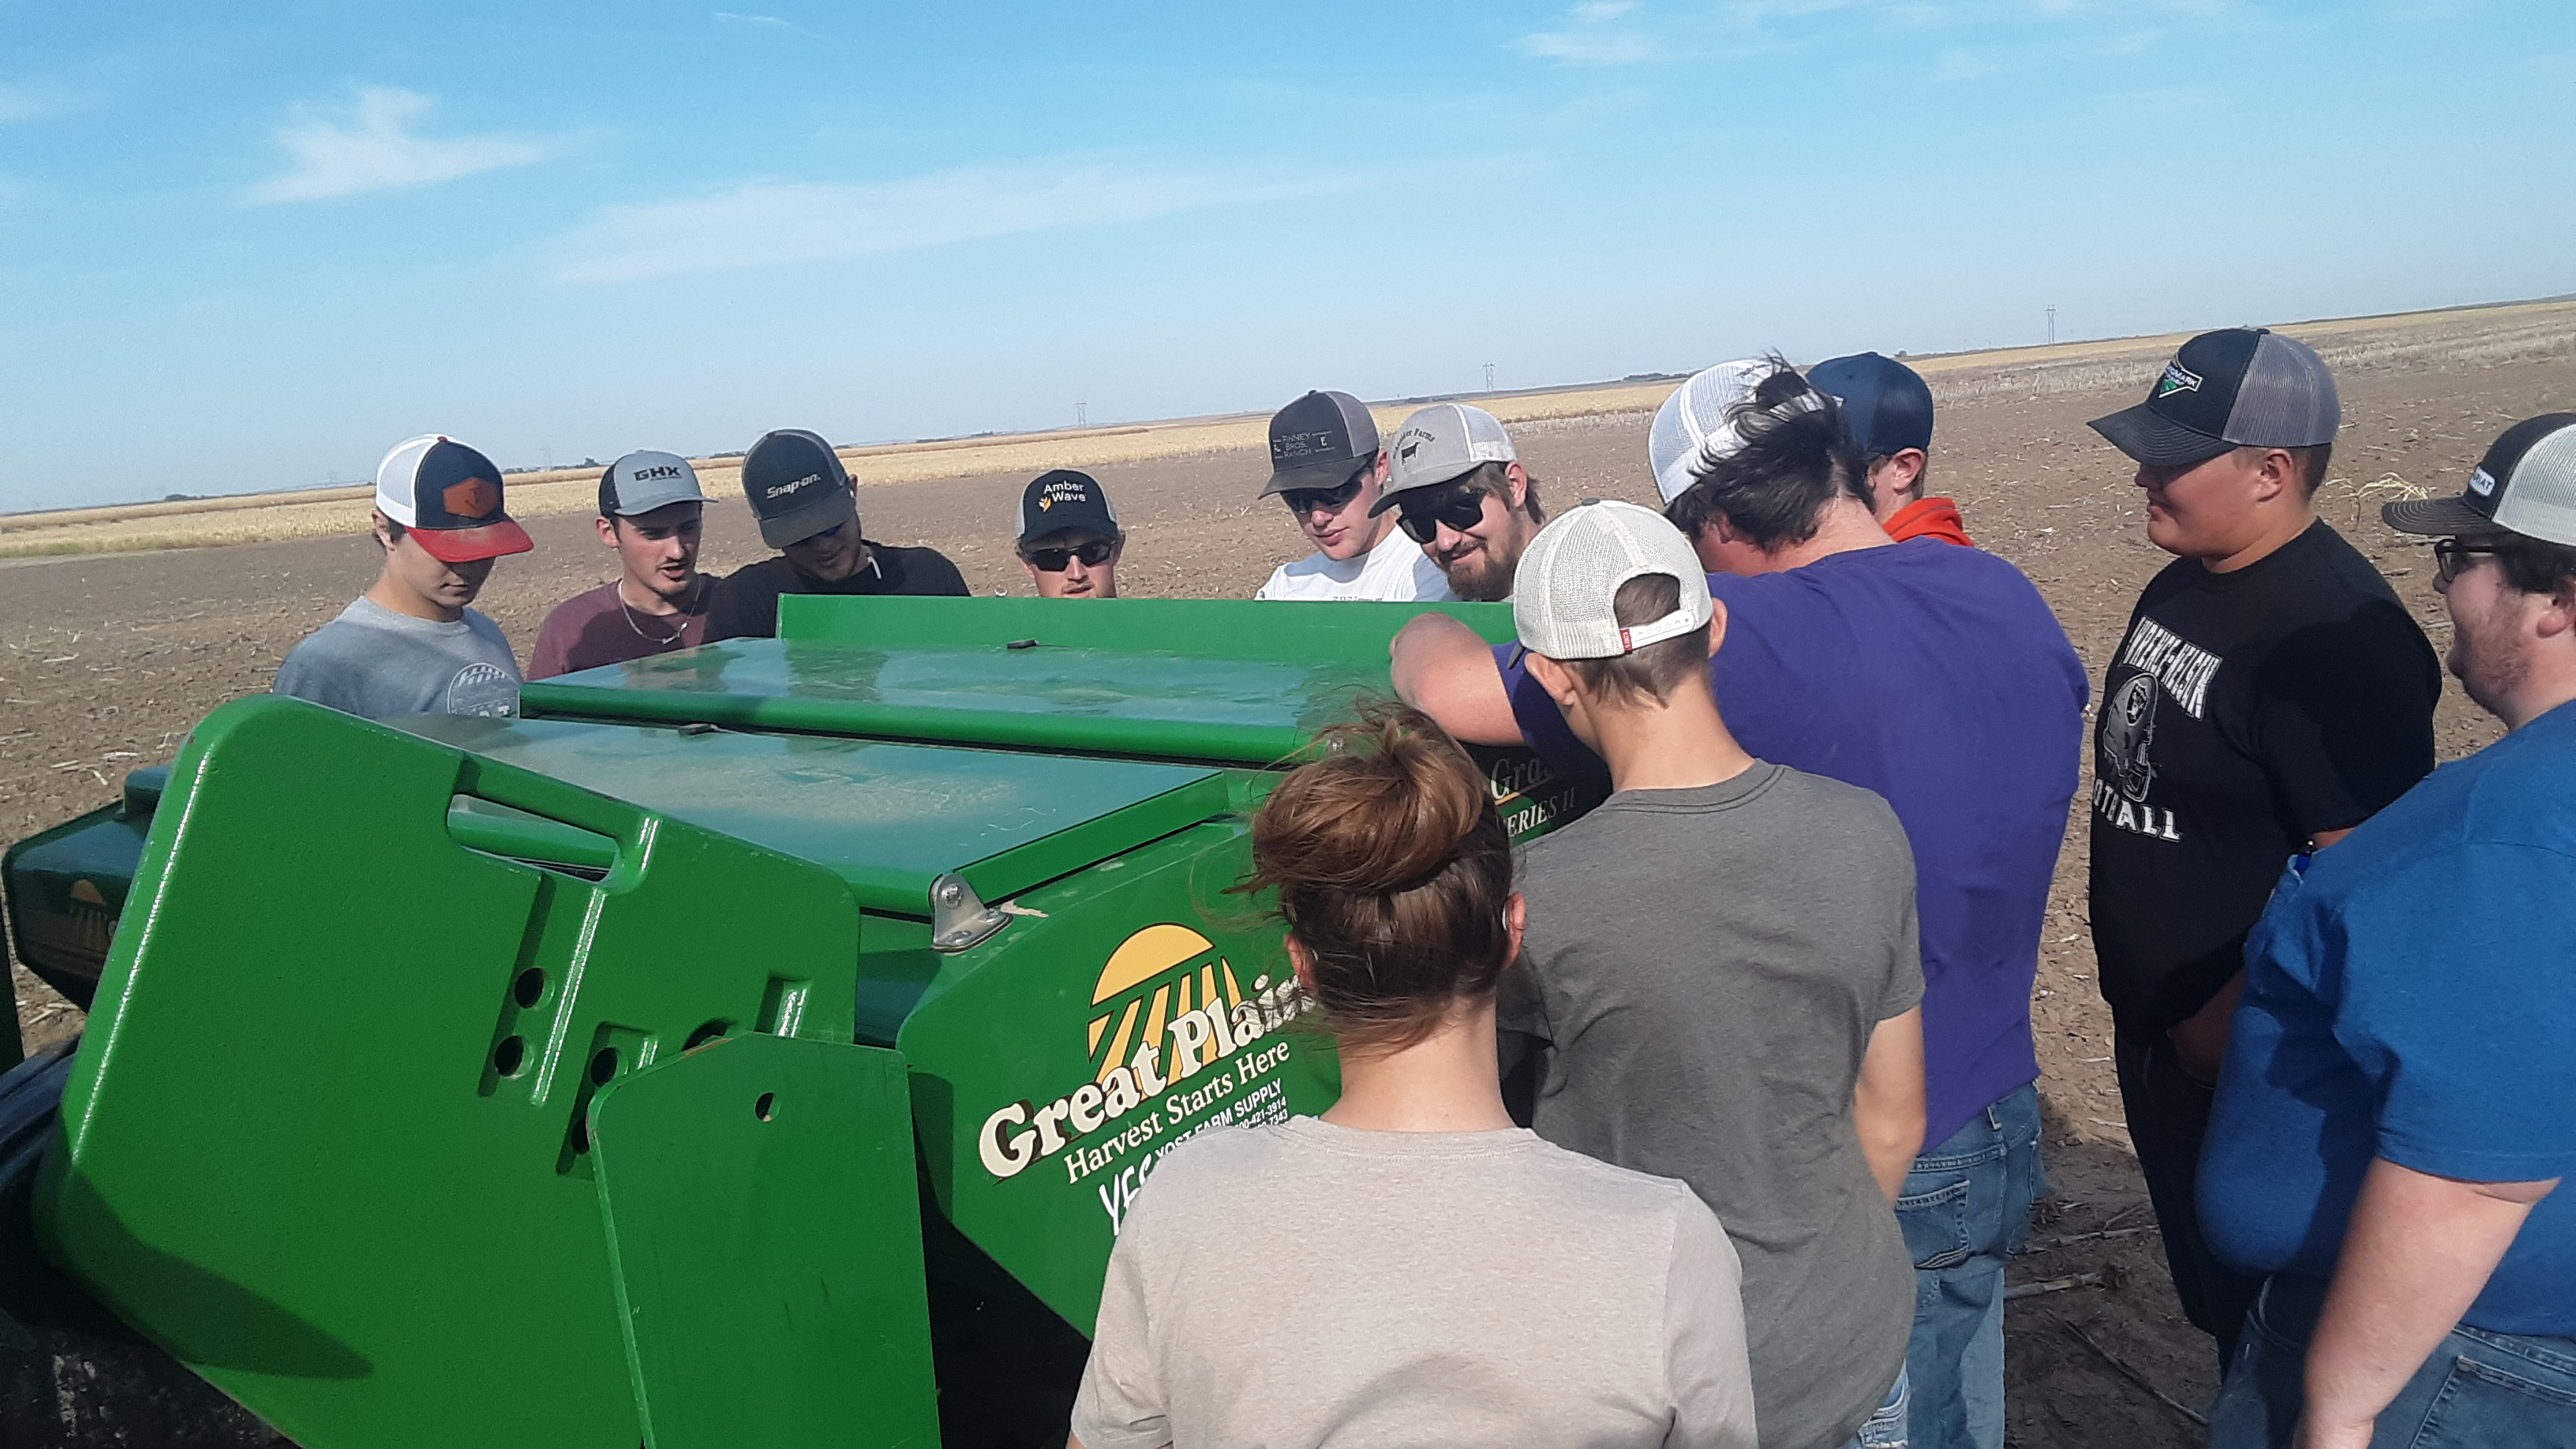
pixel 1890 412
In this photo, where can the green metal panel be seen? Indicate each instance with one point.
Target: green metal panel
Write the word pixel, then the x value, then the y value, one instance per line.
pixel 1030 1147
pixel 325 1140
pixel 759 1200
pixel 887 818
pixel 1226 681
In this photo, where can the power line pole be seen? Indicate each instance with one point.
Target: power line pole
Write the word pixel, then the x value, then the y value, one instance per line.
pixel 2052 323
pixel 1082 415
pixel 1489 377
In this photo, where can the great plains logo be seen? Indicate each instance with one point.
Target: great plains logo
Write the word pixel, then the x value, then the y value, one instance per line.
pixel 2482 483
pixel 783 489
pixel 2177 378
pixel 1166 1013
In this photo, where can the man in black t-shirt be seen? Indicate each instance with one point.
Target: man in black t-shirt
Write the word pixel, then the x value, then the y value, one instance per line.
pixel 2271 694
pixel 808 511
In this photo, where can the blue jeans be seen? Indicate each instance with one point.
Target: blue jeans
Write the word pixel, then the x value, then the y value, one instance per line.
pixel 2490 1390
pixel 1966 1206
pixel 1885 1426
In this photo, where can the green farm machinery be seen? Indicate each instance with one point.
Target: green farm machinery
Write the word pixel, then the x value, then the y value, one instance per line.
pixel 754 1045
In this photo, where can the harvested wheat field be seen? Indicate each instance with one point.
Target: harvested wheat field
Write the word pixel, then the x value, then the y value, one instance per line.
pixel 110 652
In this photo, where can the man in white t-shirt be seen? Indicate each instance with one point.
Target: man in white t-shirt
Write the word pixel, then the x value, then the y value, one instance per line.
pixel 1326 463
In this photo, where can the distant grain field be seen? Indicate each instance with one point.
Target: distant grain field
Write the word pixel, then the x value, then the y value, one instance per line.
pixel 2473 336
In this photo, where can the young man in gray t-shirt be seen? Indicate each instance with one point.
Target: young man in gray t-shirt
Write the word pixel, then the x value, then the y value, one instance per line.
pixel 1721 971
pixel 410 644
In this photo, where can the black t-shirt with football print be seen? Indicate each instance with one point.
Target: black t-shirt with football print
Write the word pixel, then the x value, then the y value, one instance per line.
pixel 2244 713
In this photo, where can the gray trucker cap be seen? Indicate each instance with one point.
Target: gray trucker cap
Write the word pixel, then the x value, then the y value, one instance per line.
pixel 2244 387
pixel 1319 441
pixel 1439 443
pixel 643 481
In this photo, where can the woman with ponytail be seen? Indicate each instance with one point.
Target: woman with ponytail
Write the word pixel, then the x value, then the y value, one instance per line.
pixel 1409 1268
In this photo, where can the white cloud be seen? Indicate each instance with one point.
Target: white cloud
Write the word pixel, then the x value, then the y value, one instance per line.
pixel 33 100
pixel 761 22
pixel 1589 38
pixel 371 148
pixel 766 223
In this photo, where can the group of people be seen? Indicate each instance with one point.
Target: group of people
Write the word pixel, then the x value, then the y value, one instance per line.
pixel 1788 964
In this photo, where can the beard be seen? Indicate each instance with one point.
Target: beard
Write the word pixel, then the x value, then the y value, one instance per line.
pixel 2490 661
pixel 1481 578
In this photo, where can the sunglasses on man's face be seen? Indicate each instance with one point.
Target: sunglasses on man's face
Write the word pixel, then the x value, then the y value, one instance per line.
pixel 826 536
pixel 2452 557
pixel 1057 560
pixel 1304 502
pixel 1462 508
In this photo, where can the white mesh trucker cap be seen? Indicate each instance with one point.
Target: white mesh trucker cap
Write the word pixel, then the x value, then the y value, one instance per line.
pixel 1563 592
pixel 1696 428
pixel 1438 443
pixel 2525 484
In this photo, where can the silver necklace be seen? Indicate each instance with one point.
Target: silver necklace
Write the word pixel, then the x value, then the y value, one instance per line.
pixel 686 614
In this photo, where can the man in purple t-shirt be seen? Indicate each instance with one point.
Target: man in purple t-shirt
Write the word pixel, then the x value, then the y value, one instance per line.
pixel 1932 674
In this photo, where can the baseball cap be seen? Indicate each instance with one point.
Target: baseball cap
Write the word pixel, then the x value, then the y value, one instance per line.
pixel 1318 441
pixel 796 486
pixel 2525 484
pixel 449 496
pixel 643 481
pixel 1060 499
pixel 1564 591
pixel 1438 443
pixel 1699 426
pixel 2244 387
pixel 1887 407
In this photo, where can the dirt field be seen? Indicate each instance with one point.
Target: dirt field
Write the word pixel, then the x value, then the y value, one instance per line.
pixel 109 659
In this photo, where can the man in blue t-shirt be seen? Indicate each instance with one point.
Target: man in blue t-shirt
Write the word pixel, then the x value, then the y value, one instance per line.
pixel 1932 674
pixel 2399 1099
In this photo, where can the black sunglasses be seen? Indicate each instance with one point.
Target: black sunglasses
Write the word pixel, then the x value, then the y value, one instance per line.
pixel 1461 506
pixel 1057 560
pixel 1303 501
pixel 2452 557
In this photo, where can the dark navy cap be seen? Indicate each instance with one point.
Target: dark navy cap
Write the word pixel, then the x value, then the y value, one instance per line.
pixel 2243 387
pixel 1886 405
pixel 1061 498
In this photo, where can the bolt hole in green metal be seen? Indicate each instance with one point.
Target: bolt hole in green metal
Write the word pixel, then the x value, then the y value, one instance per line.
pixel 603 1065
pixel 530 988
pixel 509 1055
pixel 705 1033
pixel 766 1109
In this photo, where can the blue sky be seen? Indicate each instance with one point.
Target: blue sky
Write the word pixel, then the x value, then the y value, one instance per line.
pixel 255 245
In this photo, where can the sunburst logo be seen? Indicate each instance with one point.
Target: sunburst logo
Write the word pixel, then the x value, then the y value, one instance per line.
pixel 1148 986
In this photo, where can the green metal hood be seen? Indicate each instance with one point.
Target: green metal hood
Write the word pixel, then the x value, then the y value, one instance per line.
pixel 888 818
pixel 1223 681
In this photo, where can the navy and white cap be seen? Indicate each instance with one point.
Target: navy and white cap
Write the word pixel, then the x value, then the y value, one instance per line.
pixel 1441 442
pixel 2244 387
pixel 1565 591
pixel 1702 424
pixel 1319 441
pixel 1887 407
pixel 643 481
pixel 2525 484
pixel 1061 498
pixel 797 487
pixel 449 496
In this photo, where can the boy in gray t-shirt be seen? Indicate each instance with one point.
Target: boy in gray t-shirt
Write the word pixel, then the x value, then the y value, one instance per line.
pixel 1721 969
pixel 409 644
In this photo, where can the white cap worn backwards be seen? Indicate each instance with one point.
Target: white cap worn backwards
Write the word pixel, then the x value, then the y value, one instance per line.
pixel 1563 593
pixel 1696 428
